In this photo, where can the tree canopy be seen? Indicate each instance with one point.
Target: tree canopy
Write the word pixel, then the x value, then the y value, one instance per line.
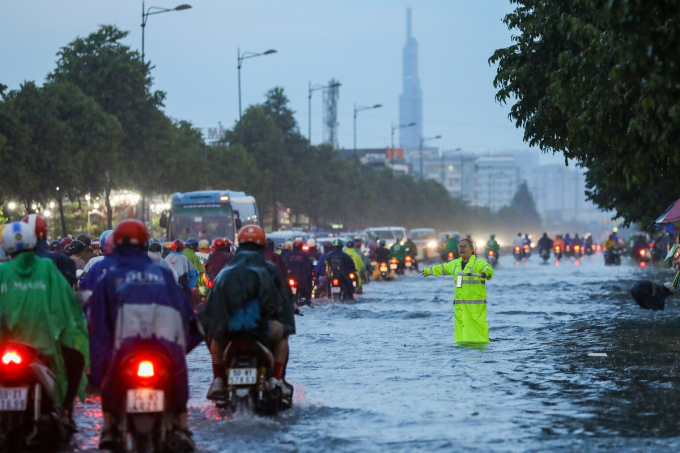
pixel 596 80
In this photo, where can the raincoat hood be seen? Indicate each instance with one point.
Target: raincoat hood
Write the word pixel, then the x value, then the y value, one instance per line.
pixel 24 264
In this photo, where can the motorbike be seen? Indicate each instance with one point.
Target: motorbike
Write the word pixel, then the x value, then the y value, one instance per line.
pixel 557 250
pixel 353 278
pixel 492 257
pixel 657 253
pixel 612 256
pixel 410 264
pixel 517 253
pixel 401 266
pixel 297 298
pixel 589 250
pixel 146 423
pixel 526 251
pixel 642 256
pixel 568 251
pixel 249 366
pixel 545 254
pixel 578 252
pixel 384 271
pixel 28 417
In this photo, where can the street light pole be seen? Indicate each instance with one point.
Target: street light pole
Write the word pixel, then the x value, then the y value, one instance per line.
pixel 312 89
pixel 401 126
pixel 357 110
pixel 239 58
pixel 423 140
pixel 156 10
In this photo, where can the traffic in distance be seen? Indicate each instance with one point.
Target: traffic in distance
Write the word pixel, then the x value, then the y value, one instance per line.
pixel 125 309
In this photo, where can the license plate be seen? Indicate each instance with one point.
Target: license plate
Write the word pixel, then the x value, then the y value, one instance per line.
pixel 141 401
pixel 393 266
pixel 335 289
pixel 294 290
pixel 408 264
pixel 383 268
pixel 354 284
pixel 242 376
pixel 13 398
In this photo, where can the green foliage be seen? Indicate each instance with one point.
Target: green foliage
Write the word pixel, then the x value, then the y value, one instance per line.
pixel 596 80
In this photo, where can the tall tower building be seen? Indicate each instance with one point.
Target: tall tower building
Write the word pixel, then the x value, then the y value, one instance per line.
pixel 411 98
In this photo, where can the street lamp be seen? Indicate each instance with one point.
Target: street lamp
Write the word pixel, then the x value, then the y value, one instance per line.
pixel 423 140
pixel 442 165
pixel 156 10
pixel 244 56
pixel 357 110
pixel 311 90
pixel 401 126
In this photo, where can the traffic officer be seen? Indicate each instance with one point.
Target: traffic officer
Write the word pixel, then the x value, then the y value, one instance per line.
pixel 469 274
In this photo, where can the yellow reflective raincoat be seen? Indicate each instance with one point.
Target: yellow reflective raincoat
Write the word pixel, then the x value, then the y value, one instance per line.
pixel 470 297
pixel 358 264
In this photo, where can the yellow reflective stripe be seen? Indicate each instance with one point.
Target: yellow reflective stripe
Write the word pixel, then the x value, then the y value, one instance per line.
pixel 469 302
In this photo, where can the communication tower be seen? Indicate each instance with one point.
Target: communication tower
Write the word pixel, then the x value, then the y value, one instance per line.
pixel 330 113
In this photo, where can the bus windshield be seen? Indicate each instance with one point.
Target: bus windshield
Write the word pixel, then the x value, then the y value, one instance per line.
pixel 203 223
pixel 380 234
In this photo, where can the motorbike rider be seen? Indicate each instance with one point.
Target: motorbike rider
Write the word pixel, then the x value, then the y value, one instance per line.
pixel 568 241
pixel 154 311
pixel 358 259
pixel 39 307
pixel 451 246
pixel 589 241
pixel 249 281
pixel 545 243
pixel 492 245
pixel 218 258
pixel 107 249
pixel 96 247
pixel 204 246
pixel 300 268
pixel 527 240
pixel 73 251
pixel 577 241
pixel 338 266
pixel 312 250
pixel 518 241
pixel 412 251
pixel 188 275
pixel 398 251
pixel 190 248
pixel 87 254
pixel 372 246
pixel 558 242
pixel 615 234
pixel 99 265
pixel 156 254
pixel 470 293
pixel 55 247
pixel 273 257
pixel 382 255
pixel 66 266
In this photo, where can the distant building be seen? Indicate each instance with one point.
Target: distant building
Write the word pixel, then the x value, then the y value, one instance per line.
pixel 411 99
pixel 380 157
pixel 497 178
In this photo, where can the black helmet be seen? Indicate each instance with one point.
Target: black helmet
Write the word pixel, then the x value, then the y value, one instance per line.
pixel 55 246
pixel 191 243
pixel 74 248
pixel 269 244
pixel 155 247
pixel 85 239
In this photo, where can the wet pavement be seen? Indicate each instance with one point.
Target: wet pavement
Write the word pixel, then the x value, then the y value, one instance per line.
pixel 382 373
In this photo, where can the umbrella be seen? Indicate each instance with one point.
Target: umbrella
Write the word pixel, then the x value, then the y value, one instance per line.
pixel 670 217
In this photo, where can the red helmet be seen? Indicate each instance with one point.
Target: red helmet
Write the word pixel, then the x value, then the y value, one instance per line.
pixel 177 245
pixel 251 233
pixel 130 232
pixel 218 243
pixel 66 241
pixel 38 223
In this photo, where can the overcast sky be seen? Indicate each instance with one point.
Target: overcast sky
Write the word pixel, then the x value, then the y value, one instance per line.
pixel 358 42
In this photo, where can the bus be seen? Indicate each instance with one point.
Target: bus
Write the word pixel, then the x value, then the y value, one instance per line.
pixel 209 214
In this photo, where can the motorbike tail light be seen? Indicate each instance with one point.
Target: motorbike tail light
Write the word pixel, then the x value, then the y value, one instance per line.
pixel 11 357
pixel 490 252
pixel 292 283
pixel 516 249
pixel 408 258
pixel 450 254
pixel 352 276
pixel 604 248
pixel 643 252
pixel 557 248
pixel 336 282
pixel 210 283
pixel 145 369
pixel 576 247
pixel 393 260
pixel 651 245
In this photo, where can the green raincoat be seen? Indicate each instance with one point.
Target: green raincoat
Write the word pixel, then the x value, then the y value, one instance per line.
pixel 398 251
pixel 39 308
pixel 358 264
pixel 196 261
pixel 248 276
pixel 469 305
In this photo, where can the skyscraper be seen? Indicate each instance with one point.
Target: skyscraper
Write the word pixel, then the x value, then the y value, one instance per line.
pixel 411 99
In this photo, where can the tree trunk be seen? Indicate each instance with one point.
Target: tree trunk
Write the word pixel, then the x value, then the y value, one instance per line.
pixel 64 233
pixel 275 217
pixel 109 213
pixel 80 204
pixel 143 207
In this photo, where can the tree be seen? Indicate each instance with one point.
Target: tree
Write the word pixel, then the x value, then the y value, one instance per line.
pixel 55 139
pixel 522 213
pixel 117 79
pixel 595 80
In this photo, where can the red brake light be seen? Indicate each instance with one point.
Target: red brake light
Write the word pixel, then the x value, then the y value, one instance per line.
pixel 336 282
pixel 393 260
pixel 491 252
pixel 576 247
pixel 557 248
pixel 145 369
pixel 408 258
pixel 604 248
pixel 642 252
pixel 352 276
pixel 291 282
pixel 11 356
pixel 450 254
pixel 305 248
pixel 517 249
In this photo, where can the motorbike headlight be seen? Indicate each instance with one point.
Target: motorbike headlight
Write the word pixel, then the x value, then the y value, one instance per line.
pixel 432 244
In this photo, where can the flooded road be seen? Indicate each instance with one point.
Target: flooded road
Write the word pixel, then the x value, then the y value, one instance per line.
pixel 383 374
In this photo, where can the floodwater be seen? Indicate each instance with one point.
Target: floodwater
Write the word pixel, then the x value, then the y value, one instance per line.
pixel 383 374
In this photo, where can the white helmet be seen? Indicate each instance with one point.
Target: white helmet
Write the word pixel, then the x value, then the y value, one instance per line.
pixel 17 237
pixel 311 242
